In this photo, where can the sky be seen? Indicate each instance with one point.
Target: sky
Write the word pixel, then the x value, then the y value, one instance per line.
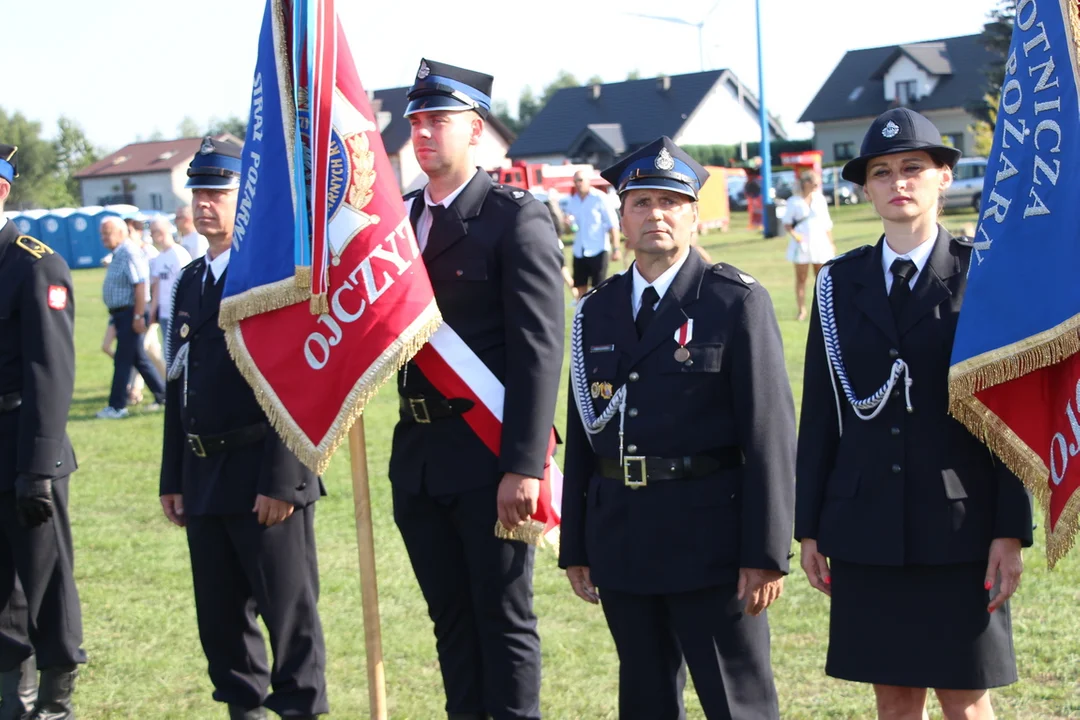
pixel 126 69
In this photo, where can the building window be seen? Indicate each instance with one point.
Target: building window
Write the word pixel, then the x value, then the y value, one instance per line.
pixel 155 202
pixel 844 151
pixel 955 140
pixel 905 92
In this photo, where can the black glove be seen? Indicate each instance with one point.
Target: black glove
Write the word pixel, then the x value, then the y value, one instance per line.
pixel 33 500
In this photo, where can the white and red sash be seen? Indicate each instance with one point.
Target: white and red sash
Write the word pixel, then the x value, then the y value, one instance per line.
pixel 457 372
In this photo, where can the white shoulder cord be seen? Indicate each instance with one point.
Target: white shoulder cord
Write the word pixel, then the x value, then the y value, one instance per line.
pixel 876 402
pixel 579 381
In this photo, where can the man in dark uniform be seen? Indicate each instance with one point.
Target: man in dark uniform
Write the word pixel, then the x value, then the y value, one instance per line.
pixel 37 378
pixel 493 259
pixel 247 502
pixel 680 452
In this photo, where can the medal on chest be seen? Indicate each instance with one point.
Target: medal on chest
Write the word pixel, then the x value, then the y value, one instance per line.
pixel 683 336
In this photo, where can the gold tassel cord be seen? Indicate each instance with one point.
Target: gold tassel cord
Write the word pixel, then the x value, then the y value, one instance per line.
pixel 317 457
pixel 320 304
pixel 532 532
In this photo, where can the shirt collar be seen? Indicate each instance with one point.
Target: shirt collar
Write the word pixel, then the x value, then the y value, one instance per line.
pixel 919 255
pixel 218 264
pixel 449 198
pixel 660 284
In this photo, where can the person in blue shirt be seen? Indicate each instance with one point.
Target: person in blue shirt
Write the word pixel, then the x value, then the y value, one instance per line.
pixel 596 233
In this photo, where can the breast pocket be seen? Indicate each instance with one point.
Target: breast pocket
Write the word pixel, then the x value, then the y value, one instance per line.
pixel 704 358
pixel 463 268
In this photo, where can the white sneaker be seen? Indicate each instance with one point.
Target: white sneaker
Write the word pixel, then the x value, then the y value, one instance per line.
pixel 154 407
pixel 110 413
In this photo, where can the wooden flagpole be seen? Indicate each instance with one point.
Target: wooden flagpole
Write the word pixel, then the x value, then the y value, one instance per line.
pixel 369 589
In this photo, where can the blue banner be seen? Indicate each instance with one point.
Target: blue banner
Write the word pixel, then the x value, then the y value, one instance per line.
pixel 263 240
pixel 1024 284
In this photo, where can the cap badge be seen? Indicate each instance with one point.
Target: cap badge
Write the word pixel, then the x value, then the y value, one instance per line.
pixel 890 130
pixel 424 70
pixel 207 146
pixel 664 161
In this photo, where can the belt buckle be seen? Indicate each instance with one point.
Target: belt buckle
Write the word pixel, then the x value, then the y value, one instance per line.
pixel 628 481
pixel 421 403
pixel 195 443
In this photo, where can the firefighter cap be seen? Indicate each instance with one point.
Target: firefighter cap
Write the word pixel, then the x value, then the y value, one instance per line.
pixel 216 166
pixel 439 86
pixel 660 165
pixel 8 169
pixel 896 131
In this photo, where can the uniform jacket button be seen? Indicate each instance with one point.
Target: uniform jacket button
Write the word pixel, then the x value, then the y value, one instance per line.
pixel 895 431
pixel 631 449
pixel 894 353
pixel 634 377
pixel 896 468
pixel 632 412
pixel 302 485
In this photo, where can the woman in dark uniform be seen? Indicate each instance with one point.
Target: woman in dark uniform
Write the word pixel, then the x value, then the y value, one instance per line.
pixel 906 521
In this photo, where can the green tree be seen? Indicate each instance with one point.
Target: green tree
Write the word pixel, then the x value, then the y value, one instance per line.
pixel 528 107
pixel 563 80
pixel 39 184
pixel 996 38
pixel 74 151
pixel 634 74
pixel 595 80
pixel 502 111
pixel 232 124
pixel 188 127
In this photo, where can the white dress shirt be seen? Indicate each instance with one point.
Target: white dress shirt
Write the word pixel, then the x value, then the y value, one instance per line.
pixel 660 284
pixel 218 265
pixel 423 225
pixel 919 256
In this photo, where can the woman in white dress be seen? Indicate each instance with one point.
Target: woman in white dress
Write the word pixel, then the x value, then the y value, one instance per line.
pixel 807 221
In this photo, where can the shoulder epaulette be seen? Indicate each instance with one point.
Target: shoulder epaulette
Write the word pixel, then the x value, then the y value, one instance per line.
pixel 853 253
pixel 602 284
pixel 413 194
pixel 514 193
pixel 33 246
pixel 964 240
pixel 730 272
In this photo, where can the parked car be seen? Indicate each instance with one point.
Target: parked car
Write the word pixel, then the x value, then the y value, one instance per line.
pixel 967 185
pixel 846 193
pixel 736 196
pixel 783 184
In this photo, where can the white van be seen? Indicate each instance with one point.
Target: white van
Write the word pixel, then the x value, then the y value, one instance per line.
pixel 967 185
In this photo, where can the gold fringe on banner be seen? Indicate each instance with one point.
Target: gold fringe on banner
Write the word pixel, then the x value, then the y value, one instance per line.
pixel 532 532
pixel 302 277
pixel 1012 361
pixel 320 304
pixel 264 298
pixel 317 457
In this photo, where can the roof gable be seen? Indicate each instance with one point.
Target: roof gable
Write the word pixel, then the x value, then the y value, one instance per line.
pixel 157 156
pixel 856 87
pixel 643 109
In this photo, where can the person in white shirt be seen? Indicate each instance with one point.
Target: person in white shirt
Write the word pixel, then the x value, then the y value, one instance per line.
pixel 190 240
pixel 808 223
pixel 164 270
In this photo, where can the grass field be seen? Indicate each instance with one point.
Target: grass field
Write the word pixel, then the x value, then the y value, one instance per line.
pixel 134 576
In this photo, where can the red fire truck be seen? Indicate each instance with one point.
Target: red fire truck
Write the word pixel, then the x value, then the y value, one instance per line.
pixel 545 176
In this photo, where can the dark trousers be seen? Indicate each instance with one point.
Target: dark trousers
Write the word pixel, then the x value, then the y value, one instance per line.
pixel 242 569
pixel 478 590
pixel 46 620
pixel 130 352
pixel 726 650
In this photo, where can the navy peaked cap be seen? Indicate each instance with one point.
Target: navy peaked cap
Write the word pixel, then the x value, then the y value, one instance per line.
pixel 660 165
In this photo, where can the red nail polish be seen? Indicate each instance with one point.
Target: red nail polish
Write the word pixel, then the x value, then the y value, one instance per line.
pixel 988 585
pixel 828 580
pixel 991 610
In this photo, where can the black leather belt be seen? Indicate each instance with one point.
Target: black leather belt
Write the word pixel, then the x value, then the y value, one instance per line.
pixel 637 471
pixel 424 410
pixel 113 311
pixel 203 445
pixel 11 401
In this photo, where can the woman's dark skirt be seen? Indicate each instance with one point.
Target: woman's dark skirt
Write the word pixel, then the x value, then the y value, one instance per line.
pixel 922 626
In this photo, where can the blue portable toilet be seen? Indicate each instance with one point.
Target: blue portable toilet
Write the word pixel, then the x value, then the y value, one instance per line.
pixel 54 232
pixel 28 222
pixel 85 238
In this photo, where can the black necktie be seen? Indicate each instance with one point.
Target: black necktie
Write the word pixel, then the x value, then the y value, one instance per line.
pixel 645 313
pixel 902 271
pixel 439 214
